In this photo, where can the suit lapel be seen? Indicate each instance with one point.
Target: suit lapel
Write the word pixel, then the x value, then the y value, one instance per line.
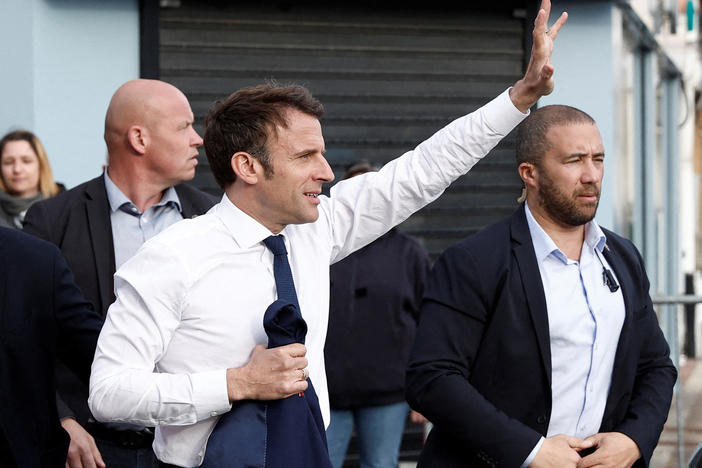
pixel 523 249
pixel 186 204
pixel 620 360
pixel 97 210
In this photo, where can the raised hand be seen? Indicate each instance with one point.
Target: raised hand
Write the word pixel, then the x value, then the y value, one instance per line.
pixel 538 79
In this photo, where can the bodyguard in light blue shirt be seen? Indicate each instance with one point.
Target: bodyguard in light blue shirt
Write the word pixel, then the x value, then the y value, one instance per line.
pixel 538 345
pixel 131 227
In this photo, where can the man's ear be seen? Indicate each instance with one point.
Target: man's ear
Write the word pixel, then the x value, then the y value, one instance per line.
pixel 137 137
pixel 529 174
pixel 246 167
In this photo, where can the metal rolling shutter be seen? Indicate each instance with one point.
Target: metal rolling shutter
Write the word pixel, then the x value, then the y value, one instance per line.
pixel 388 77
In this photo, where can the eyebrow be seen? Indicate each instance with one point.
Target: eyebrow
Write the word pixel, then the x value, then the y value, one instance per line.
pixel 306 151
pixel 572 155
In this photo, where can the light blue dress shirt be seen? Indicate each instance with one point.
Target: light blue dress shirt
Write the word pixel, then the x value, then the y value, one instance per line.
pixel 130 227
pixel 585 319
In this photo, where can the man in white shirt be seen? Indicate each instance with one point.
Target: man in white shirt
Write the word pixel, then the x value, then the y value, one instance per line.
pixel 538 344
pixel 184 339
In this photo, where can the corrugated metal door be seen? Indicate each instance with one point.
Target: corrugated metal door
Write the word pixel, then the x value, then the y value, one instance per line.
pixel 388 77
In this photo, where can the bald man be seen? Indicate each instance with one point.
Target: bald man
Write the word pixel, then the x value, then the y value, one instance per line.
pixel 152 149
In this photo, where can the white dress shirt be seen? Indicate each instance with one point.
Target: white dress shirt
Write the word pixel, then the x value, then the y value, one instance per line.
pixel 190 303
pixel 585 319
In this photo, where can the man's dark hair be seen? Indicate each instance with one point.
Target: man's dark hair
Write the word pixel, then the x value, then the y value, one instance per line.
pixel 246 119
pixel 532 142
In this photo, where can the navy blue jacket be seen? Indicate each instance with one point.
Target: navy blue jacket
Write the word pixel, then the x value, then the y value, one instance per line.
pixel 480 369
pixel 42 314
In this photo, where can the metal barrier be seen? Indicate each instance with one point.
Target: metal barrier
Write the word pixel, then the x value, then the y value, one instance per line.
pixel 669 324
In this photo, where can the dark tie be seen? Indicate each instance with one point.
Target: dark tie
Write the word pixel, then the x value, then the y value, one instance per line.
pixel 284 284
pixel 287 433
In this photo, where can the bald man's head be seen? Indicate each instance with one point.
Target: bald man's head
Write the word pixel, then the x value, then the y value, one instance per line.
pixel 148 127
pixel 137 102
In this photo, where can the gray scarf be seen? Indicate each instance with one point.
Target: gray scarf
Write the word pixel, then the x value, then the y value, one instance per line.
pixel 13 209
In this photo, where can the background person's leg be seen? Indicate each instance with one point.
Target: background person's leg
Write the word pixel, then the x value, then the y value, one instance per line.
pixel 338 435
pixel 379 430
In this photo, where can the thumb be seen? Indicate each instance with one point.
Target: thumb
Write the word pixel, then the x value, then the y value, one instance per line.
pixel 594 439
pixel 579 444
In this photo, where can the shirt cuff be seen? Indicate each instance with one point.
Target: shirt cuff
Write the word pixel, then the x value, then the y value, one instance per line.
pixel 210 393
pixel 501 115
pixel 533 453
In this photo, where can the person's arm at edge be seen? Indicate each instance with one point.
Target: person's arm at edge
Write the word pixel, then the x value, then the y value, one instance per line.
pixel 78 329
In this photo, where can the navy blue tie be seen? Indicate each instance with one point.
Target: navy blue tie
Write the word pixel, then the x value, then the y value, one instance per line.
pixel 284 284
pixel 286 433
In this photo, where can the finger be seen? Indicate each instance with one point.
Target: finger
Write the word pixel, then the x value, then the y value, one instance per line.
pixel 297 363
pixel 296 375
pixel 595 439
pixel 553 31
pixel 73 460
pixel 547 71
pixel 295 349
pixel 86 457
pixel 587 462
pixel 546 6
pixel 540 23
pixel 98 457
pixel 590 464
pixel 575 442
pixel 296 388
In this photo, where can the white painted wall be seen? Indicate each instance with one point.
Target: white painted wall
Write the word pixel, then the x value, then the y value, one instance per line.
pixel 71 56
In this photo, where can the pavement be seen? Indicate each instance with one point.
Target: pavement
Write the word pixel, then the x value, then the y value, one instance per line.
pixel 689 401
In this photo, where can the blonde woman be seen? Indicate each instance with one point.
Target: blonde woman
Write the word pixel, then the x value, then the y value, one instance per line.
pixel 25 176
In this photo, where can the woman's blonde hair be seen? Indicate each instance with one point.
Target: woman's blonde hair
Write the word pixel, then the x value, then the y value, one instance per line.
pixel 47 185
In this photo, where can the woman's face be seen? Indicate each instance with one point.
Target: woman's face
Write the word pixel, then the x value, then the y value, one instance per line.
pixel 20 169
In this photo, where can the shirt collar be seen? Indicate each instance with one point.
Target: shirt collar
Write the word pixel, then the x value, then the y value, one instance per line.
pixel 116 198
pixel 544 245
pixel 245 230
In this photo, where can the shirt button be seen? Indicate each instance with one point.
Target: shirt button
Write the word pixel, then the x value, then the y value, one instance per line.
pixel 214 413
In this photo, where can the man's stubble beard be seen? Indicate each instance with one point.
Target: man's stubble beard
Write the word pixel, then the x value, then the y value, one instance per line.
pixel 562 207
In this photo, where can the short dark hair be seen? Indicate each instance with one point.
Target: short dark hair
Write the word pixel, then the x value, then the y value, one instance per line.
pixel 246 119
pixel 532 142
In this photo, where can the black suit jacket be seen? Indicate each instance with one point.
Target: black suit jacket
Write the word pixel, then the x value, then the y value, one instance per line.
pixel 480 368
pixel 78 222
pixel 42 313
